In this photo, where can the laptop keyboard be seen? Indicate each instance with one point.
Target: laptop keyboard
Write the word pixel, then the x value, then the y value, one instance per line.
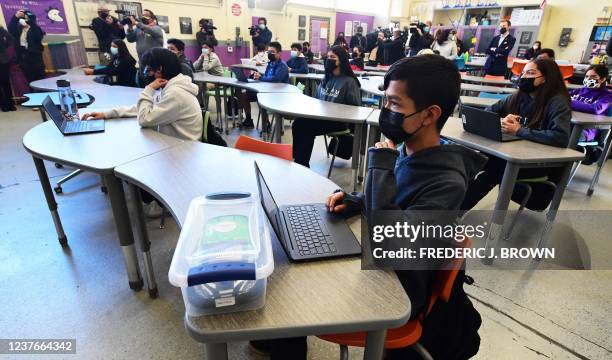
pixel 311 237
pixel 75 126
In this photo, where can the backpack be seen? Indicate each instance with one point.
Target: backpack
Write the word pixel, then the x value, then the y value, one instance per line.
pixel 210 135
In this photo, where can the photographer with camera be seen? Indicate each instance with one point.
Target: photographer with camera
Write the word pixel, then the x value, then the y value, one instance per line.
pixel 260 34
pixel 206 33
pixel 107 28
pixel 28 42
pixel 419 38
pixel 145 33
pixel 358 40
pixel 393 48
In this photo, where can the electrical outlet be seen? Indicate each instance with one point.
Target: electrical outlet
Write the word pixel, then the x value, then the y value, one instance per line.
pixel 230 49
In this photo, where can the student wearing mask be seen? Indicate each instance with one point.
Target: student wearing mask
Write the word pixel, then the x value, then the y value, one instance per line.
pixel 146 34
pixel 339 85
pixel 297 63
pixel 122 66
pixel 341 41
pixel 276 71
pixel 498 51
pixel 6 93
pixel 209 61
pixel 546 54
pixel 358 40
pixel 533 51
pixel 262 35
pixel 178 48
pixel 261 58
pixel 357 59
pixel 307 52
pixel 107 28
pixel 412 171
pixel 28 36
pixel 445 45
pixel 539 111
pixel 168 102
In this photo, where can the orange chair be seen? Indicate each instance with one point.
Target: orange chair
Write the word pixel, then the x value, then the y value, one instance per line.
pixel 567 71
pixel 410 333
pixel 283 151
pixel 495 77
pixel 517 67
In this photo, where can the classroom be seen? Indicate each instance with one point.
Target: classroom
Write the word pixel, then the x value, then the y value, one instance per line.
pixel 305 179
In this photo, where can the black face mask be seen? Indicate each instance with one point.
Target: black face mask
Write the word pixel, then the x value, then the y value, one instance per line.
pixel 502 30
pixel 148 78
pixel 527 84
pixel 330 65
pixel 355 55
pixel 103 15
pixel 391 122
pixel 272 57
pixel 146 20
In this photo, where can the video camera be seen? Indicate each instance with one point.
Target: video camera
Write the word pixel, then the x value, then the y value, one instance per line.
pixel 253 30
pixel 125 18
pixel 207 26
pixel 414 26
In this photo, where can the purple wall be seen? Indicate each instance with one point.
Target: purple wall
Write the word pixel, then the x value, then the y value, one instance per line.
pixel 341 17
pixel 192 51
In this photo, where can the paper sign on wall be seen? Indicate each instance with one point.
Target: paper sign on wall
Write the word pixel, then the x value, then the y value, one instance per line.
pixel 365 28
pixel 348 28
pixel 323 33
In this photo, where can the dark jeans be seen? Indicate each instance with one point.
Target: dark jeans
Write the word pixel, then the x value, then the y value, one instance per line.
pixel 304 132
pixel 32 65
pixel 6 93
pixel 491 176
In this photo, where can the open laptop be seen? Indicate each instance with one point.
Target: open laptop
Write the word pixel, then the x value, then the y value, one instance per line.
pixel 307 231
pixel 248 62
pixel 484 123
pixel 240 76
pixel 68 127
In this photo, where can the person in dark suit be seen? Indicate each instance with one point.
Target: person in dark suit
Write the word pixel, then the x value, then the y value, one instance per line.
pixel 498 50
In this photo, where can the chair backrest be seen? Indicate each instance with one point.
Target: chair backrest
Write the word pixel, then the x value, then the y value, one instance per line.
pixel 460 62
pixel 517 66
pixel 494 77
pixel 487 95
pixel 445 279
pixel 567 71
pixel 283 151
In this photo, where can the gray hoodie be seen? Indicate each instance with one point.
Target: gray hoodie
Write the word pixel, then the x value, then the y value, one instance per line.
pixel 174 109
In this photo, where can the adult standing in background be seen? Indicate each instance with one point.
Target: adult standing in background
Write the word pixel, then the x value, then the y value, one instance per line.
pixel 6 93
pixel 358 40
pixel 419 38
pixel 262 35
pixel 29 35
pixel 106 28
pixel 393 48
pixel 206 33
pixel 341 41
pixel 445 45
pixel 499 49
pixel 146 34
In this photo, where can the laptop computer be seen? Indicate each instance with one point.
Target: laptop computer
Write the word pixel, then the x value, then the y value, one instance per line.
pixel 68 127
pixel 484 123
pixel 247 62
pixel 240 76
pixel 307 231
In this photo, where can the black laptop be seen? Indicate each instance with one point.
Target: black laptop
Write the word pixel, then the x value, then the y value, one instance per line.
pixel 68 127
pixel 240 76
pixel 307 231
pixel 484 123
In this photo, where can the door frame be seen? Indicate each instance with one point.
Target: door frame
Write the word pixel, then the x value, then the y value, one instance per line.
pixel 318 18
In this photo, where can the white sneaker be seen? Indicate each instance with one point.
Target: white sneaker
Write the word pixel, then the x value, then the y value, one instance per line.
pixel 153 210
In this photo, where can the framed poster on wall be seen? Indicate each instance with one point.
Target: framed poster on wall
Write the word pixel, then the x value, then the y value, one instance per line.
pixel 162 21
pixel 301 34
pixel 302 21
pixel 185 23
pixel 526 37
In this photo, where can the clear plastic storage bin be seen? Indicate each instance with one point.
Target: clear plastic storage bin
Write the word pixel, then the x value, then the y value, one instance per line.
pixel 224 255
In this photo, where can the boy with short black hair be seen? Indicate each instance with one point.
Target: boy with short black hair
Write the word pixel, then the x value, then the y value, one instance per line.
pixel 177 46
pixel 297 64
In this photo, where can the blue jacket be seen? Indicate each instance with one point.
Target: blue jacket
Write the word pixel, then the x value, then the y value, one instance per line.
pixel 276 72
pixel 298 65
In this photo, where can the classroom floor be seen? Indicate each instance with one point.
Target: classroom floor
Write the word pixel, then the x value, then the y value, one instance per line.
pixel 82 293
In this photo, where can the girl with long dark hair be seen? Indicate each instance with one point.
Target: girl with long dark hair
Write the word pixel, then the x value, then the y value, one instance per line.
pixel 539 111
pixel 340 85
pixel 122 65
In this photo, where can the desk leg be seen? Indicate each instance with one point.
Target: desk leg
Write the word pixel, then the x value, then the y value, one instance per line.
pixel 44 182
pixel 356 156
pixel 575 136
pixel 124 230
pixel 554 205
pixel 218 106
pixel 143 237
pixel 375 345
pixel 501 207
pixel 600 163
pixel 277 119
pixel 215 351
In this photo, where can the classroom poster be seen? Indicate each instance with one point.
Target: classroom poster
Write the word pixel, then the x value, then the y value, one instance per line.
pixel 185 24
pixel 162 21
pixel 50 14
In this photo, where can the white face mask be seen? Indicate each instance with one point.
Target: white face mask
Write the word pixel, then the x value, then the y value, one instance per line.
pixel 23 22
pixel 205 51
pixel 114 50
pixel 590 83
pixel 262 26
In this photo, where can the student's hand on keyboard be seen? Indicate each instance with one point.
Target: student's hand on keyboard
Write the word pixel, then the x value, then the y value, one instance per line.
pixel 335 203
pixel 93 116
pixel 385 144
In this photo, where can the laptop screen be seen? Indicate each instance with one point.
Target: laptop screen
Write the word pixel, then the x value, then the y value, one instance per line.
pixel 267 201
pixel 53 112
pixel 239 74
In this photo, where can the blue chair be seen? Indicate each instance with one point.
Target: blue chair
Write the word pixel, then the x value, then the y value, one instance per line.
pixel 487 95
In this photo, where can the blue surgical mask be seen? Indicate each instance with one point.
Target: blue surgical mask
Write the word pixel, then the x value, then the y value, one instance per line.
pixel 426 29
pixel 114 51
pixel 262 26
pixel 293 54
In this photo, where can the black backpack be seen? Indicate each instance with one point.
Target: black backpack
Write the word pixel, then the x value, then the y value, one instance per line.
pixel 210 135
